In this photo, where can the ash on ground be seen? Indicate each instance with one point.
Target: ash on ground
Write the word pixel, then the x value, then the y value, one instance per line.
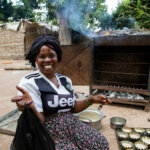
pixel 125 95
pixel 112 94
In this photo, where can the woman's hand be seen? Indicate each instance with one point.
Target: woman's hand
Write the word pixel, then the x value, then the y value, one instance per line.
pixel 99 99
pixel 21 100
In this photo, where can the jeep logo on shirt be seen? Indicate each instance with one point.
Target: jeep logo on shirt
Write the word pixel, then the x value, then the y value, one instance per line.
pixel 62 102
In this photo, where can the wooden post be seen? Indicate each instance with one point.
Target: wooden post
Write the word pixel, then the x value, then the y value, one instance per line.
pixel 148 116
pixel 8 122
pixel 91 69
pixel 147 107
pixel 149 80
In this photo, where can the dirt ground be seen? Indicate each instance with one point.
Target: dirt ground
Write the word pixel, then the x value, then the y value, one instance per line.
pixel 134 115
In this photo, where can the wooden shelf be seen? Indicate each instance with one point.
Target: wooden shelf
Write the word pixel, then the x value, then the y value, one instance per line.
pixel 140 102
pixel 120 73
pixel 119 89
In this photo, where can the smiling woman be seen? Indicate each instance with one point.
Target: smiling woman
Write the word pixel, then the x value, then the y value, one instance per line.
pixel 46 60
pixel 50 96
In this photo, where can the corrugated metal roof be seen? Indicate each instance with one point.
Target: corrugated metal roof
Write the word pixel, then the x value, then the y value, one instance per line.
pixel 15 25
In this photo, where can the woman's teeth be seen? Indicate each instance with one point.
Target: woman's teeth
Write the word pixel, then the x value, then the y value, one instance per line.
pixel 48 67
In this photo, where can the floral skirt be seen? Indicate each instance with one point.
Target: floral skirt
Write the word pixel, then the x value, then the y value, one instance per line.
pixel 69 133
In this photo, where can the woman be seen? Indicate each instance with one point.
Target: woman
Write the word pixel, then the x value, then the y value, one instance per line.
pixel 50 96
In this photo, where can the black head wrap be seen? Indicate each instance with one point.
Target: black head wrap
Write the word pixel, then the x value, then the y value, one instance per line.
pixel 47 40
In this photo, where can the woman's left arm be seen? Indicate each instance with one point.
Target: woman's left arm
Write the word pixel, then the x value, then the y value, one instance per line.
pixel 81 105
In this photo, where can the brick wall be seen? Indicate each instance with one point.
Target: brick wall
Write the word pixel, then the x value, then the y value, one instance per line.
pixel 11 44
pixel 16 44
pixel 32 32
pixel 30 35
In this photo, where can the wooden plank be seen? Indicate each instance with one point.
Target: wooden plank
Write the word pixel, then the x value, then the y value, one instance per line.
pixel 8 132
pixel 142 69
pixel 69 54
pixel 140 102
pixel 8 115
pixel 111 88
pixel 120 84
pixel 129 63
pixel 8 122
pixel 122 54
pixel 122 78
pixel 125 40
pixel 122 58
pixel 78 68
pixel 147 107
pixel 121 49
pixel 92 66
pixel 121 73
pixel 148 87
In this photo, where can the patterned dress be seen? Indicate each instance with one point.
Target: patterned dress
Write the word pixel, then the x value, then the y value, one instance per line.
pixel 69 133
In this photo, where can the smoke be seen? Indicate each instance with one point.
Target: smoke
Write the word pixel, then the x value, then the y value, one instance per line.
pixel 80 14
pixel 89 17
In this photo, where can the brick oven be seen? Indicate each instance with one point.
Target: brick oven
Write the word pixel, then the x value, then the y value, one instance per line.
pixel 121 63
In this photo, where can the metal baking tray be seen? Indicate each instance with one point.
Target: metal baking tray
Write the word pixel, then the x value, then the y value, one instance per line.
pixel 119 141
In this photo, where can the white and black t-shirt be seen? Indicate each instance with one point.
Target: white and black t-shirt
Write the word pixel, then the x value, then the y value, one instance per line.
pixel 46 96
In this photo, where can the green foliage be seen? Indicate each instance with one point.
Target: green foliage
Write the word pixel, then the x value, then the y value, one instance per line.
pixel 25 11
pixel 21 12
pixel 106 21
pixel 30 3
pixel 6 10
pixel 138 3
pixel 79 13
pixel 131 13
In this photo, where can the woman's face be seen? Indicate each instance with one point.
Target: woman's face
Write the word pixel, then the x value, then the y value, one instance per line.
pixel 47 60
